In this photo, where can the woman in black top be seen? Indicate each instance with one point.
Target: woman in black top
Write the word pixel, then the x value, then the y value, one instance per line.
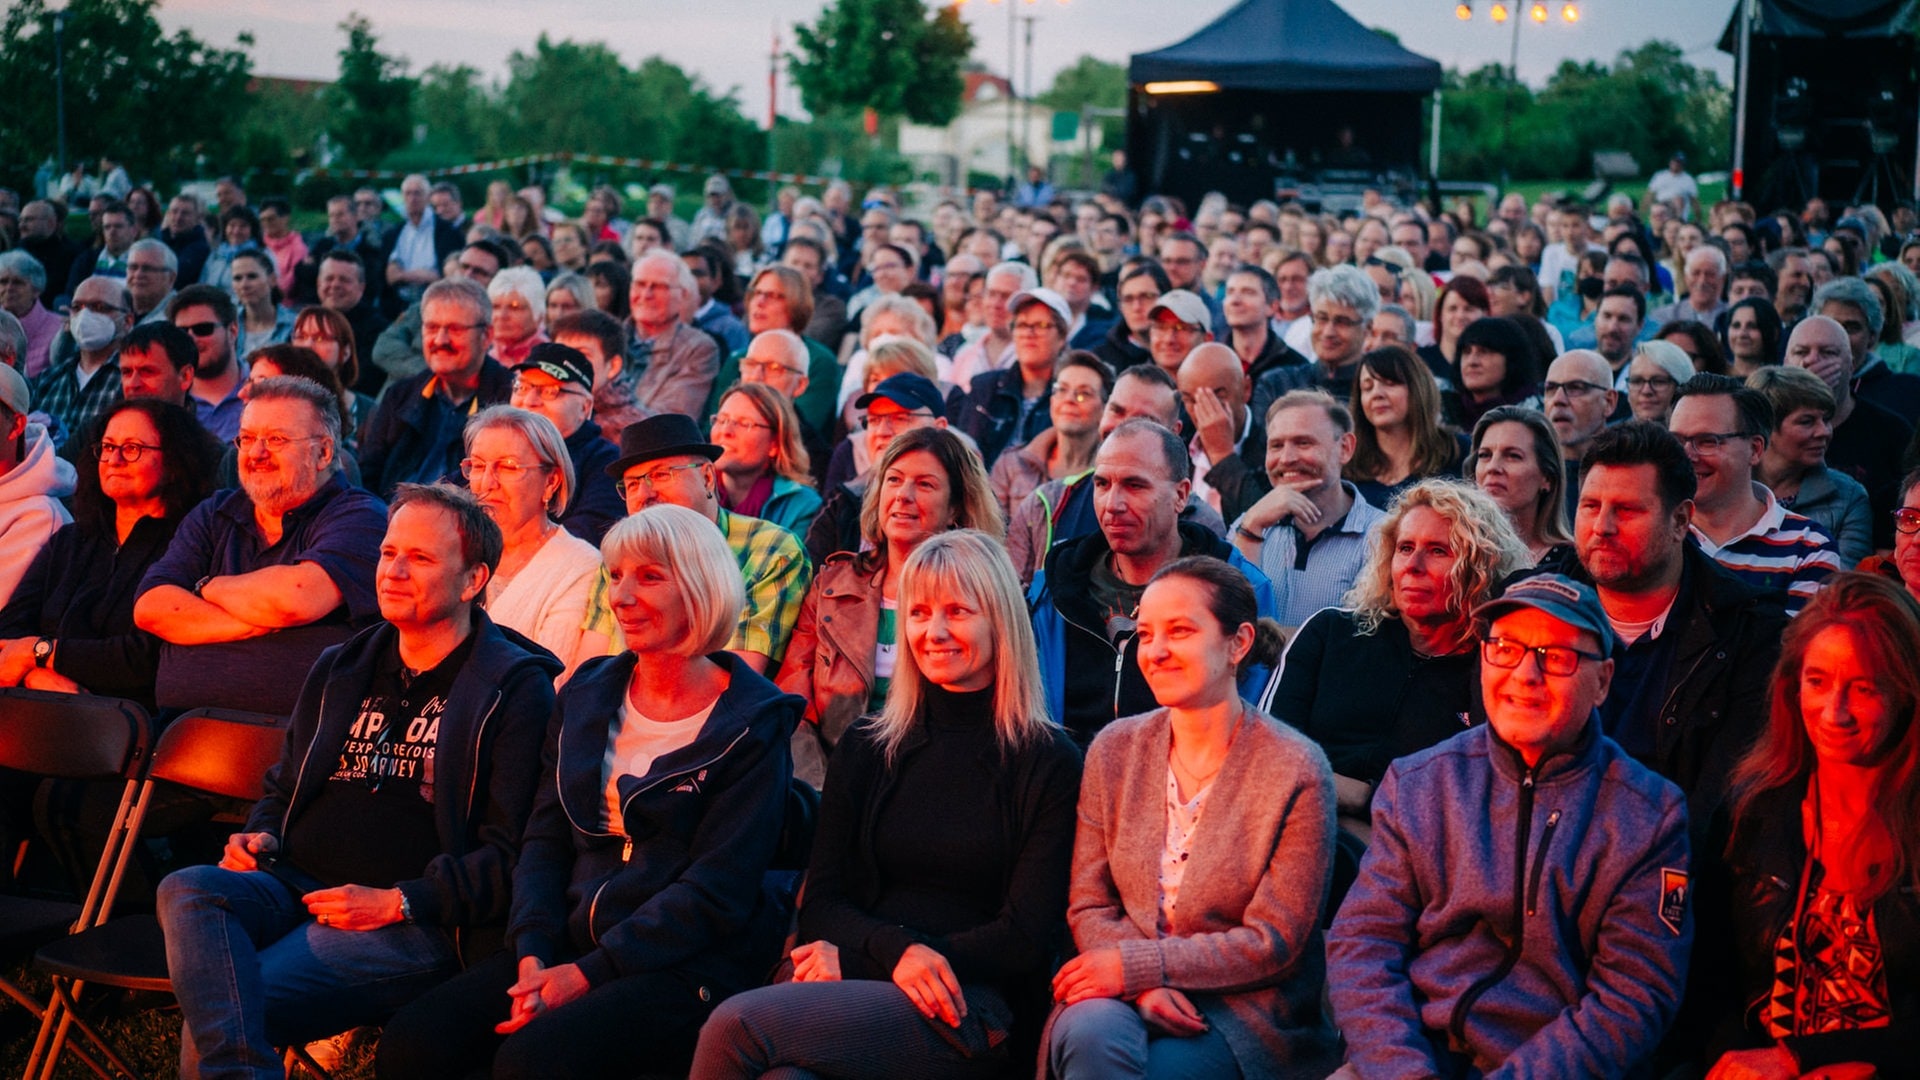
pixel 1395 672
pixel 938 888
pixel 149 463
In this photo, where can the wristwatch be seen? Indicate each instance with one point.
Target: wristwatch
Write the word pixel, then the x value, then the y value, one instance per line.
pixel 42 652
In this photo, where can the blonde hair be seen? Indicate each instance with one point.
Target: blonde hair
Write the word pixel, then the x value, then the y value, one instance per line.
pixel 906 308
pixel 890 355
pixel 1486 549
pixel 548 445
pixel 697 556
pixel 789 456
pixel 1425 294
pixel 970 566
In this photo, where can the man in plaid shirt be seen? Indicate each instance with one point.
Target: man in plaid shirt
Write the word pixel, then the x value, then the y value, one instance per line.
pixel 665 459
pixel 76 391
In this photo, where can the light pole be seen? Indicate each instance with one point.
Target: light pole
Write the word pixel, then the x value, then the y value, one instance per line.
pixel 60 90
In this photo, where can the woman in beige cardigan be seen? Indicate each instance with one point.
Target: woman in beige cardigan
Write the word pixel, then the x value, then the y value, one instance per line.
pixel 1201 863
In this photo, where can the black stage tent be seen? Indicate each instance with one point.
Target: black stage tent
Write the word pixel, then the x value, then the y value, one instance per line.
pixel 1269 90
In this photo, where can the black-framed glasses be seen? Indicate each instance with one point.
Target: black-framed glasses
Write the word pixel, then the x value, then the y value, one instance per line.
pixel 1906 520
pixel 1708 442
pixel 653 478
pixel 1571 388
pixel 1650 382
pixel 1556 660
pixel 202 329
pixel 128 452
pixel 274 443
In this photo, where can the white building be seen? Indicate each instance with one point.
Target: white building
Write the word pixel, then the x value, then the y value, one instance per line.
pixel 976 141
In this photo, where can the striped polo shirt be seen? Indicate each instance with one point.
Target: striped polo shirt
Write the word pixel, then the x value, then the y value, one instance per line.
pixel 1782 551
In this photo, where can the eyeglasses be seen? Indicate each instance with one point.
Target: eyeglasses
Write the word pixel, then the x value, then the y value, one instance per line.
pixel 878 267
pixel 1707 442
pixel 549 393
pixel 274 443
pixel 1392 269
pixel 1556 660
pixel 202 329
pixel 1035 327
pixel 434 330
pixel 128 452
pixel 761 369
pixel 1075 394
pixel 1344 322
pixel 145 268
pixel 652 478
pixel 888 423
pixel 1907 520
pixel 719 422
pixel 1650 382
pixel 505 470
pixel 1571 388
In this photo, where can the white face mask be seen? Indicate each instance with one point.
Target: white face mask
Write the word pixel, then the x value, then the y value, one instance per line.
pixel 93 331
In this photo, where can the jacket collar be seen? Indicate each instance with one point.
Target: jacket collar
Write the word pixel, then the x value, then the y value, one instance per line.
pixel 1508 763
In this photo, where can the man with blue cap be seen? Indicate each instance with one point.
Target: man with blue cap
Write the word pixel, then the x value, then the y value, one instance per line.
pixel 1523 903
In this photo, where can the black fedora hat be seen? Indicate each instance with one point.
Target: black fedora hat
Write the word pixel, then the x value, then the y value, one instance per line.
pixel 663 436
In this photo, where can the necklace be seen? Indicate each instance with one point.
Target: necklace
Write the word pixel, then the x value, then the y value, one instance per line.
pixel 1196 779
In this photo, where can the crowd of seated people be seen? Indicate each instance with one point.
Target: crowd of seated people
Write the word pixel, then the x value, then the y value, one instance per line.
pixel 1085 638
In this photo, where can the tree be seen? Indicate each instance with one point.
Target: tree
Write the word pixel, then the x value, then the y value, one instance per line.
pixel 462 117
pixel 372 101
pixel 132 91
pixel 1090 81
pixel 884 55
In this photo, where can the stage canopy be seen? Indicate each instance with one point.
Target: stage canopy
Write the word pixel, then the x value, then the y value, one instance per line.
pixel 1288 45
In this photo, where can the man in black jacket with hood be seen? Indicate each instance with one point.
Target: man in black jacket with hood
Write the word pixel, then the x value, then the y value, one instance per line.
pixel 389 829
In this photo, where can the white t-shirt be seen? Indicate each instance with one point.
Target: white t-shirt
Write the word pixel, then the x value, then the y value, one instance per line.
pixel 1667 185
pixel 635 743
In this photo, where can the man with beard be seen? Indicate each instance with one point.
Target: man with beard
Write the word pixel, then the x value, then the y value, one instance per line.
pixel 1697 645
pixel 415 435
pixel 1793 275
pixel 1616 328
pixel 208 314
pixel 258 581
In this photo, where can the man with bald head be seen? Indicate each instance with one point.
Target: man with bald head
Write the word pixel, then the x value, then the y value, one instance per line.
pixel 779 359
pixel 1578 398
pixel 1229 444
pixel 1869 442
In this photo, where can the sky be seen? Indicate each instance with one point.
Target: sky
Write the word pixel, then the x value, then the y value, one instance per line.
pixel 727 42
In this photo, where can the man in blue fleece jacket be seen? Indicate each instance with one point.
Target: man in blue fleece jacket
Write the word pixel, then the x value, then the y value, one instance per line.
pixel 1549 937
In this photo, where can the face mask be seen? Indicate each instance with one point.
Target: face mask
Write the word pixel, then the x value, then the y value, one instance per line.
pixel 1592 287
pixel 93 331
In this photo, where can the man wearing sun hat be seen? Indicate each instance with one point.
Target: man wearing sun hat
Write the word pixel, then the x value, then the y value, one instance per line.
pixel 556 381
pixel 1007 407
pixel 665 459
pixel 1524 901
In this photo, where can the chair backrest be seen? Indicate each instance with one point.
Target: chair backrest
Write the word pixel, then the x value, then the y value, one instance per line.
pixel 72 736
pixel 222 751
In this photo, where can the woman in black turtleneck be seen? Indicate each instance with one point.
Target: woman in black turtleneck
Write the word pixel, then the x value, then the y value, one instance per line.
pixel 938 888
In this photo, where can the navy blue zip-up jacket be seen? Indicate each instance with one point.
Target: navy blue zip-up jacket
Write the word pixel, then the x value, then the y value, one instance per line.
pixel 685 891
pixel 485 762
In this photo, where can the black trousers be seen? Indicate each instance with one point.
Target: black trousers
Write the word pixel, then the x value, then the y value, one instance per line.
pixel 628 1027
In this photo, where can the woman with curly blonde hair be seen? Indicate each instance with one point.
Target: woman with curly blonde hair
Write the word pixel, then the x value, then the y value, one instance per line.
pixel 1393 671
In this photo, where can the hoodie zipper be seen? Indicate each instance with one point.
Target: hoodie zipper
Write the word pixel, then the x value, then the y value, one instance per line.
pixel 1119 655
pixel 1457 1022
pixel 1540 862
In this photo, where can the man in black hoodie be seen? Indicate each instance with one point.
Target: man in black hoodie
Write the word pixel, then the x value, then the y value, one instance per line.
pixel 391 824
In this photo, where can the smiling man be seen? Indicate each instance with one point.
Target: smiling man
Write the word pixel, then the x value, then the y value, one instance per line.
pixel 414 436
pixel 1308 534
pixel 1430 971
pixel 1085 599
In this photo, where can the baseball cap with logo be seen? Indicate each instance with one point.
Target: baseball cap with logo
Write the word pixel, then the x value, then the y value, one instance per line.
pixel 563 362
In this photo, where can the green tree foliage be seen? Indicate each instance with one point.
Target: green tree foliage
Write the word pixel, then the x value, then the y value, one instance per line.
pixel 132 91
pixel 886 55
pixel 372 101
pixel 1095 82
pixel 459 114
pixel 1649 103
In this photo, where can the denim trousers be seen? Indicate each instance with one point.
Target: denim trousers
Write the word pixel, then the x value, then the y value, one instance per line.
pixel 253 971
pixel 1103 1038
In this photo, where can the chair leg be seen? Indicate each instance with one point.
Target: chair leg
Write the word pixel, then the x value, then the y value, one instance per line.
pixel 297 1055
pixel 63 1015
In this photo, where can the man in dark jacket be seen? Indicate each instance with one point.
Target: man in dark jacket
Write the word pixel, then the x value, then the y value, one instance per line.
pixel 415 435
pixel 391 823
pixel 1007 407
pixel 1697 644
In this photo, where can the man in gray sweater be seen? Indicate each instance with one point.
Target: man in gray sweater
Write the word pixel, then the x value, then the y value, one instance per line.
pixel 1550 936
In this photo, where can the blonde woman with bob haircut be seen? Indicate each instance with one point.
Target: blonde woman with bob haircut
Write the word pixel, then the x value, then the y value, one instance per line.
pixel 517 466
pixel 764 471
pixel 843 652
pixel 1393 671
pixel 938 886
pixel 640 873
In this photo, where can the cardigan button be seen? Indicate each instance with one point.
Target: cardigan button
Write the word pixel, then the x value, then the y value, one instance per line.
pixel 706 994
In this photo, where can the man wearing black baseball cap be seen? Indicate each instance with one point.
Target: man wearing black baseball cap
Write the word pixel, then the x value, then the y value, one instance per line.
pixel 665 459
pixel 901 402
pixel 556 381
pixel 1558 864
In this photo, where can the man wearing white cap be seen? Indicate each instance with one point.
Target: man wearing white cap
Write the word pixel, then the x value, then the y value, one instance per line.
pixel 1008 407
pixel 1178 324
pixel 33 480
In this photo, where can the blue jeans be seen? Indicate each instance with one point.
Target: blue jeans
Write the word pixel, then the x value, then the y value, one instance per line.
pixel 253 971
pixel 1102 1037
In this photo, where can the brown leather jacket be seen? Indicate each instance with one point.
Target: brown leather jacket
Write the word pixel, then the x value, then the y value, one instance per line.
pixel 829 659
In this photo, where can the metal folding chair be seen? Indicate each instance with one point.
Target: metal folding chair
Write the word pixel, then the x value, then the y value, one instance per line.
pixel 217 751
pixel 73 737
